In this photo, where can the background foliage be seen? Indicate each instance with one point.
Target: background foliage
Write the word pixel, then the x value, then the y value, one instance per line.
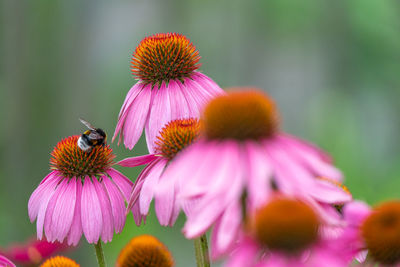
pixel 332 66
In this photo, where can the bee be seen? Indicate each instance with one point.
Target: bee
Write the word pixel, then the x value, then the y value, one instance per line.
pixel 91 138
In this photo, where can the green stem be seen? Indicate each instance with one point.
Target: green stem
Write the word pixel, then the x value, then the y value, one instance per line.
pixel 201 249
pixel 100 254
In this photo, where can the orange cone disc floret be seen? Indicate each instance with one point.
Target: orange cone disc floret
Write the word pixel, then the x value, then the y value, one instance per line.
pixel 381 232
pixel 72 161
pixel 241 116
pixel 145 251
pixel 176 135
pixel 286 225
pixel 59 261
pixel 164 56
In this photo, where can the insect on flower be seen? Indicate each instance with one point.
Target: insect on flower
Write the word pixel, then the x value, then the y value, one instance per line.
pixel 92 137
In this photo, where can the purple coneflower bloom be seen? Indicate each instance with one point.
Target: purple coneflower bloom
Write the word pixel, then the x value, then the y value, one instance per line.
pixel 174 137
pixel 82 194
pixel 285 233
pixel 238 161
pixel 4 262
pixel 169 87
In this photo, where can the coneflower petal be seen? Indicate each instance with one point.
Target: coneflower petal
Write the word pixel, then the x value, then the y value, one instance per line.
pixel 106 211
pixel 117 204
pixel 92 220
pixel 75 232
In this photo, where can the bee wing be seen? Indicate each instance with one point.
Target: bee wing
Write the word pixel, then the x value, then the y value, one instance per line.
pixel 95 135
pixel 91 127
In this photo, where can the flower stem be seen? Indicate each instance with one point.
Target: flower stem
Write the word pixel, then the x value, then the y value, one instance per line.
pixel 201 249
pixel 100 254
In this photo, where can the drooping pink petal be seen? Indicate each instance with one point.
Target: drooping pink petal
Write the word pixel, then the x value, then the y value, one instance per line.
pixel 4 262
pixel 355 212
pixel 106 211
pixel 64 211
pixel 259 175
pixel 75 232
pixel 122 182
pixel 195 105
pixel 312 158
pixel 136 117
pixel 117 204
pixel 44 189
pixel 326 192
pixel 226 229
pixel 137 186
pixel 149 184
pixel 92 221
pixel 244 255
pixel 137 161
pixel 160 114
pixel 50 230
pixel 179 106
pixel 207 84
pixel 129 99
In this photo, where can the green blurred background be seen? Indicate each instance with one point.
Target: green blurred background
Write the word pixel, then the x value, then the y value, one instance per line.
pixel 332 66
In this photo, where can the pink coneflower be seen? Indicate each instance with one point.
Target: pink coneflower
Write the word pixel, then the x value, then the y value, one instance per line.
pixel 32 252
pixel 82 194
pixel 286 233
pixel 174 137
pixel 169 88
pixel 241 158
pixel 4 262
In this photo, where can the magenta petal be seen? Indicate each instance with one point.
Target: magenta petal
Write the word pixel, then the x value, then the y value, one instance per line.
pixel 244 255
pixel 160 114
pixel 130 97
pixel 92 221
pixel 123 183
pixel 137 186
pixel 137 161
pixel 63 212
pixel 76 227
pixel 225 232
pixel 149 184
pixel 45 188
pixel 179 105
pixel 355 212
pixel 207 84
pixel 106 211
pixel 117 204
pixel 4 262
pixel 49 227
pixel 136 117
pixel 326 192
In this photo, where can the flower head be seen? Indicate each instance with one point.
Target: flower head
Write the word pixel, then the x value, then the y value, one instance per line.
pixel 145 251
pixel 169 88
pixel 164 57
pixel 242 148
pixel 82 194
pixel 59 261
pixel 381 232
pixel 172 139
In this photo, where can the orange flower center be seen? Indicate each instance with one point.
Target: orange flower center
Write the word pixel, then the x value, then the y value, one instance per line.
pixel 59 261
pixel 176 135
pixel 164 56
pixel 145 251
pixel 381 232
pixel 286 225
pixel 72 161
pixel 241 116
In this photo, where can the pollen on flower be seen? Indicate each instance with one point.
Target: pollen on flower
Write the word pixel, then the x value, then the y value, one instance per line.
pixel 286 225
pixel 145 251
pixel 176 135
pixel 164 56
pixel 241 116
pixel 59 261
pixel 381 232
pixel 72 161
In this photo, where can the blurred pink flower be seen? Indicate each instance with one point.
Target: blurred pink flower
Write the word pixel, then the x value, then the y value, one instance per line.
pixel 4 262
pixel 285 233
pixel 169 88
pixel 174 137
pixel 82 194
pixel 242 155
pixel 32 252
